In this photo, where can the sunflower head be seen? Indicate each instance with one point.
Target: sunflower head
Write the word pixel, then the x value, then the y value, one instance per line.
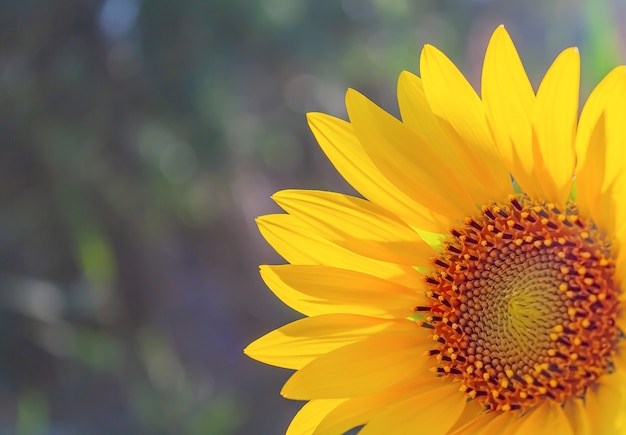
pixel 477 285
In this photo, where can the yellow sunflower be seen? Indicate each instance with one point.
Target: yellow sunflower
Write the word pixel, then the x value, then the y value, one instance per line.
pixel 478 287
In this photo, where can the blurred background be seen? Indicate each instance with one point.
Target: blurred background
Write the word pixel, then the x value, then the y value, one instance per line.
pixel 138 142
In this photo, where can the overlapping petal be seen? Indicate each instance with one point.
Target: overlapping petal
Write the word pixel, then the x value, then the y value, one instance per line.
pixel 299 244
pixel 357 411
pixel 300 342
pixel 509 102
pixel 361 368
pixel 418 412
pixel 555 117
pixel 577 414
pixel 338 141
pixel 450 148
pixel 547 418
pixel 358 225
pixel 601 167
pixel 456 104
pixel 604 404
pixel 490 423
pixel 308 418
pixel 314 290
pixel 406 161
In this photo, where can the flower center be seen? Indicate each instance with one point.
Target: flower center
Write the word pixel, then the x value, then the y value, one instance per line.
pixel 524 305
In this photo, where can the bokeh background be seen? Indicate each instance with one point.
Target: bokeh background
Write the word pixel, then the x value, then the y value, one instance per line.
pixel 139 140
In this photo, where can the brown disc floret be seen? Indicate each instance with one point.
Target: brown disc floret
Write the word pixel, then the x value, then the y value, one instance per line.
pixel 524 305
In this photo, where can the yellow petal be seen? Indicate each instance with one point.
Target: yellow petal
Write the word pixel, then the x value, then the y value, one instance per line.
pixel 473 411
pixel 299 244
pixel 456 104
pixel 620 264
pixel 407 162
pixel 298 343
pixel 416 112
pixel 491 423
pixel 451 150
pixel 359 410
pixel 619 199
pixel 547 419
pixel 314 290
pixel 337 140
pixel 621 320
pixel 593 109
pixel 357 225
pixel 578 416
pixel 554 125
pixel 589 178
pixel 601 169
pixel 620 357
pixel 362 368
pixel 424 412
pixel 605 404
pixel 310 415
pixel 509 98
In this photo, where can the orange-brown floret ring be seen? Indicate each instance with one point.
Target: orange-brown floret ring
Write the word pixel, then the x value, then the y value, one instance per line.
pixel 524 305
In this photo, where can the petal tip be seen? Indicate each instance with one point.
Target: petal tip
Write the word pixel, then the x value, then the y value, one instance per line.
pixel 500 30
pixel 311 117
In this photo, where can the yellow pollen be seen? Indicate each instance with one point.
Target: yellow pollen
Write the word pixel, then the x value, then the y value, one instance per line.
pixel 523 305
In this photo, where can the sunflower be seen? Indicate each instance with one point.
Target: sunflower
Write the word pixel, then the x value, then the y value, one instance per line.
pixel 477 287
